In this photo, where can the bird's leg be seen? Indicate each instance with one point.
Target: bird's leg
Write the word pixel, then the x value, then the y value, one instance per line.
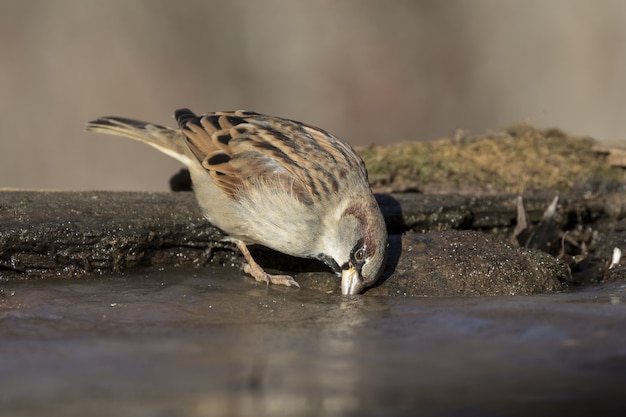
pixel 254 269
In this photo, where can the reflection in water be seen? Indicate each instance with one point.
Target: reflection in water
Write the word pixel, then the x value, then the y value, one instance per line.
pixel 343 352
pixel 185 344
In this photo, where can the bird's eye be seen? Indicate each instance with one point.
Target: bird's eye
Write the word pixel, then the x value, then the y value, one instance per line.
pixel 360 255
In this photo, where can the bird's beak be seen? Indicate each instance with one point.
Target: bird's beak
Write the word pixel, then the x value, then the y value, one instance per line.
pixel 351 281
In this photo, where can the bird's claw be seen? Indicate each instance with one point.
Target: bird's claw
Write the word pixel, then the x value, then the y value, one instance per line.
pixel 263 276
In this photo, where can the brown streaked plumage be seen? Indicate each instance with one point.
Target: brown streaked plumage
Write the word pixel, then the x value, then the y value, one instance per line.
pixel 278 183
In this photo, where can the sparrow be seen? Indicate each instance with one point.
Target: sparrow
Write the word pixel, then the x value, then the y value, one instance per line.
pixel 279 183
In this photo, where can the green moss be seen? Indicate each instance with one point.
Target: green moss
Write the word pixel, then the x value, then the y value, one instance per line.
pixel 516 160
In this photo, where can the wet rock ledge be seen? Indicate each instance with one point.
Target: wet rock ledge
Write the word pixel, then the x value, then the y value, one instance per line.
pixel 518 211
pixel 439 244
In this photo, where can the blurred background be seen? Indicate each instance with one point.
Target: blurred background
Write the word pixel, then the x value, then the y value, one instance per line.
pixel 372 72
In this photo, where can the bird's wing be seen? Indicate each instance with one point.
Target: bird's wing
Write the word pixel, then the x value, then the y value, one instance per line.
pixel 240 148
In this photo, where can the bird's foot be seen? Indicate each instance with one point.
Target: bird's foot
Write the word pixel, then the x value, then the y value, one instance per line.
pixel 260 275
pixel 254 269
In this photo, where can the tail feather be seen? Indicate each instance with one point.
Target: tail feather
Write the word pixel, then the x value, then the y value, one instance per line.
pixel 167 140
pixel 182 116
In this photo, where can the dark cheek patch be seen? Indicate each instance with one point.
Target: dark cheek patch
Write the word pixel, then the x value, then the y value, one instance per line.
pixel 358 211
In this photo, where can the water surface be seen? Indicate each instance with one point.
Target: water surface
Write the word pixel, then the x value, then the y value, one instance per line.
pixel 212 342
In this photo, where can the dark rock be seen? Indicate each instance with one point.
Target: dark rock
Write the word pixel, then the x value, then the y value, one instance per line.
pixel 73 233
pixel 596 267
pixel 77 233
pixel 469 263
pixel 425 212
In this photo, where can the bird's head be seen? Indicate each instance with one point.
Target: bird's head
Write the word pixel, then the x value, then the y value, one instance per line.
pixel 357 246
